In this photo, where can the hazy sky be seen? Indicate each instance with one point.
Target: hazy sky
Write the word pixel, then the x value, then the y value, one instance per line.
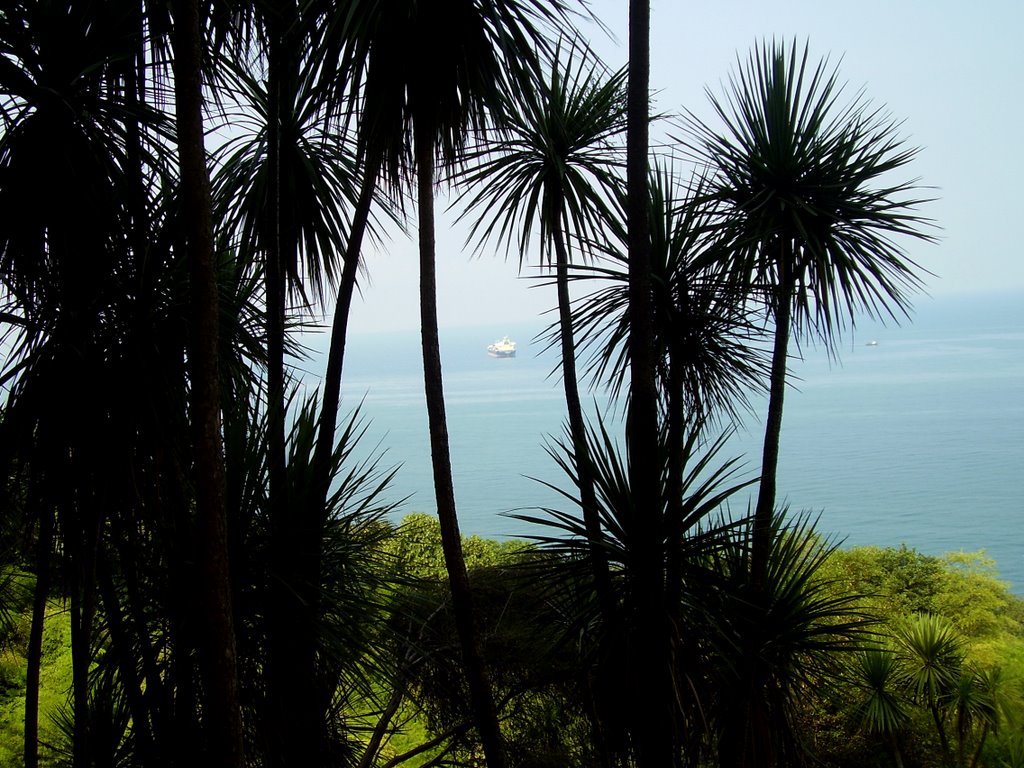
pixel 952 71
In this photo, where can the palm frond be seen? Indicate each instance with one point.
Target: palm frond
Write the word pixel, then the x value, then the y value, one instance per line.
pixel 552 162
pixel 708 337
pixel 797 168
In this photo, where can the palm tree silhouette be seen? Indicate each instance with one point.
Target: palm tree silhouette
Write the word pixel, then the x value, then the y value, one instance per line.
pixel 552 165
pixel 428 73
pixel 814 221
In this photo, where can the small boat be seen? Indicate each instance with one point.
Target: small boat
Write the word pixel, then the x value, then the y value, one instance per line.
pixel 504 347
pixel 871 343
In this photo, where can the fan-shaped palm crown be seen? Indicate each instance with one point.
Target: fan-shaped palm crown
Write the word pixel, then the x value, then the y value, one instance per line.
pixel 807 185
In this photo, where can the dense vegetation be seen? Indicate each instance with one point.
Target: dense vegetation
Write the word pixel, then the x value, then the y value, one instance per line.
pixel 853 719
pixel 198 567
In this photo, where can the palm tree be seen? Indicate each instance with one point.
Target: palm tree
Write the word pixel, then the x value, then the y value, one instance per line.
pixel 652 726
pixel 67 256
pixel 977 703
pixel 429 71
pixel 775 645
pixel 693 527
pixel 552 164
pixel 707 354
pixel 223 721
pixel 931 654
pixel 814 218
pixel 881 711
pixel 706 351
pixel 282 194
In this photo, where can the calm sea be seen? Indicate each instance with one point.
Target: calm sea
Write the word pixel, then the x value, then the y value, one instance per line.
pixel 917 439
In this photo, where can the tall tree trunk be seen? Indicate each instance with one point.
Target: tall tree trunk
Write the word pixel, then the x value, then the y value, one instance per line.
pixel 675 442
pixel 44 546
pixel 79 521
pixel 294 722
pixel 481 696
pixel 760 738
pixel 651 699
pixel 336 352
pixel 319 487
pixel 222 715
pixel 605 693
pixel 577 426
pixel 764 512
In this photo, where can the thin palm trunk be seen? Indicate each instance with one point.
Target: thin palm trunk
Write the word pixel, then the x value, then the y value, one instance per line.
pixel 651 699
pixel 896 753
pixel 339 336
pixel 274 288
pixel 34 654
pixel 764 512
pixel 152 683
pixel 222 714
pixel 293 714
pixel 482 699
pixel 83 608
pixel 674 484
pixel 940 728
pixel 976 757
pixel 316 511
pixel 577 425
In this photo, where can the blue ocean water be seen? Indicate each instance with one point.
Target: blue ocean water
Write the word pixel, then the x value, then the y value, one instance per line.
pixel 918 439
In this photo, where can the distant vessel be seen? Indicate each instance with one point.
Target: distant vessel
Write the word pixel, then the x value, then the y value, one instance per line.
pixel 502 348
pixel 871 343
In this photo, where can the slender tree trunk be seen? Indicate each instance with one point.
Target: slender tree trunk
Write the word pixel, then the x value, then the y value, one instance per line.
pixel 676 440
pixel 941 730
pixel 977 751
pixel 82 556
pixel 294 723
pixel 319 487
pixel 650 698
pixel 34 654
pixel 128 546
pixel 577 426
pixel 588 496
pixel 896 754
pixel 80 742
pixel 222 715
pixel 339 335
pixel 760 738
pixel 274 285
pixel 481 696
pixel 764 512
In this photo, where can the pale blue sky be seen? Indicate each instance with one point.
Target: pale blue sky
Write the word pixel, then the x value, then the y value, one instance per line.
pixel 952 71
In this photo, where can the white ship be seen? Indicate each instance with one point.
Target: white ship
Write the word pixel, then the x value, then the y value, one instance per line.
pixel 503 348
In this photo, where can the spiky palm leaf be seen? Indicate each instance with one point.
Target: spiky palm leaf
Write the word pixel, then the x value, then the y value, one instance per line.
pixel 813 223
pixel 794 166
pixel 446 63
pixel 877 672
pixel 705 334
pixel 551 163
pixel 932 653
pixel 777 644
pixel 689 529
pixel 317 167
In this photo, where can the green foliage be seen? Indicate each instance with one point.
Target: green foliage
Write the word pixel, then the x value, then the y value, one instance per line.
pixel 944 682
pixel 417 548
pixel 93 291
pixel 55 682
